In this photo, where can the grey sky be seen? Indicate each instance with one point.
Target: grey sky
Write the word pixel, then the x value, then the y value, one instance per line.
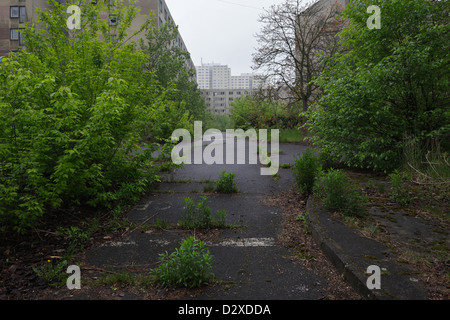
pixel 220 31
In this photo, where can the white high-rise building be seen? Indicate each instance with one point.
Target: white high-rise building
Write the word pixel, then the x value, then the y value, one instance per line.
pixel 216 76
pixel 247 81
pixel 213 76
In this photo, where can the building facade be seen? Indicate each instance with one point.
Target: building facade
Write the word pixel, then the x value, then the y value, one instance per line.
pixel 248 81
pixel 213 76
pixel 218 101
pixel 219 88
pixel 218 76
pixel 13 13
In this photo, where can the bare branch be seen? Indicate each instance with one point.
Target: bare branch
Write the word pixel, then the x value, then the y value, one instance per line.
pixel 289 43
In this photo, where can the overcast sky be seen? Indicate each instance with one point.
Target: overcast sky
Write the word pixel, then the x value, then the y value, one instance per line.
pixel 220 31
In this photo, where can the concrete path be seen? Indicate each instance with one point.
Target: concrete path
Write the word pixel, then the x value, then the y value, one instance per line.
pixel 248 259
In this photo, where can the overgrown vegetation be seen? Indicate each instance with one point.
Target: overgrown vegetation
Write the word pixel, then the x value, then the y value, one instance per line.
pixel 200 216
pixel 259 112
pixel 338 193
pixel 306 171
pixel 54 273
pixel 332 186
pixel 385 84
pixel 226 183
pixel 188 266
pixel 75 110
pixel 399 188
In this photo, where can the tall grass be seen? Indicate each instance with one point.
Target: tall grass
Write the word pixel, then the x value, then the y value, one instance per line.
pixel 427 163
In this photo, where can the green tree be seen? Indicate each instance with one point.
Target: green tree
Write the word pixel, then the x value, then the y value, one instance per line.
pixel 73 107
pixel 170 63
pixel 388 83
pixel 259 112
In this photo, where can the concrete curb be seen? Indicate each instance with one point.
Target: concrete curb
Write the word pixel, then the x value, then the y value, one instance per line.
pixel 351 254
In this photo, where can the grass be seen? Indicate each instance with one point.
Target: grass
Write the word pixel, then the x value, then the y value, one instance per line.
pixel 291 136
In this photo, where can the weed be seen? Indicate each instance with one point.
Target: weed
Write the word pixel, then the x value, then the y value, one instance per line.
pixel 209 186
pixel 54 274
pixel 338 193
pixel 276 177
pixel 399 189
pixel 304 219
pixel 306 170
pixel 121 279
pixel 286 165
pixel 200 215
pixel 161 224
pixel 226 183
pixel 188 266
pixel 76 237
pixel 220 218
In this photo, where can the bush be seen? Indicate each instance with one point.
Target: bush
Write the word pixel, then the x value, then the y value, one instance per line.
pixel 306 170
pixel 338 193
pixel 189 266
pixel 384 84
pixel 226 183
pixel 200 215
pixel 72 118
pixel 53 274
pixel 399 189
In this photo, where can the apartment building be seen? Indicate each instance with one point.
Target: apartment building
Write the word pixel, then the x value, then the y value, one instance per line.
pixel 248 81
pixel 13 13
pixel 219 88
pixel 218 101
pixel 218 76
pixel 213 76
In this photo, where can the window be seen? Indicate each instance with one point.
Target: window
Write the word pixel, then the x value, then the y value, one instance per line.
pixel 18 12
pixel 14 12
pixel 22 14
pixel 14 34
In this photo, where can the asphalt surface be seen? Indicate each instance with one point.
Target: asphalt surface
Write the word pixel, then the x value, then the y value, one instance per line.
pixel 248 258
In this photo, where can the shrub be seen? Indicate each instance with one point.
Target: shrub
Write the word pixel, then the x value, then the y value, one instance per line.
pixel 226 183
pixel 72 119
pixel 306 170
pixel 399 190
pixel 189 266
pixel 200 215
pixel 338 193
pixel 53 274
pixel 380 86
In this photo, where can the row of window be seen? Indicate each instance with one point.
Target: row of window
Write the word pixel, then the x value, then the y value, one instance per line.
pixel 18 12
pixel 15 34
pixel 222 93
